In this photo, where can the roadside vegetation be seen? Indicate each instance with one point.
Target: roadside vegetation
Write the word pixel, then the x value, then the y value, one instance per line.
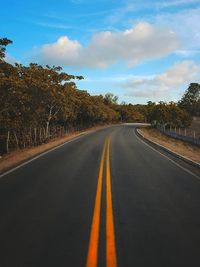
pixel 182 148
pixel 39 103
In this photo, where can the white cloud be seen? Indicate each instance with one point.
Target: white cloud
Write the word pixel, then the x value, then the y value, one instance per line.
pixel 186 24
pixel 164 84
pixel 61 51
pixel 10 59
pixel 134 45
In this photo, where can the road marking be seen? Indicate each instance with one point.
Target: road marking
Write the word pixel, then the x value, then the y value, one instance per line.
pixel 92 257
pixel 178 165
pixel 41 155
pixel 111 259
pixel 48 151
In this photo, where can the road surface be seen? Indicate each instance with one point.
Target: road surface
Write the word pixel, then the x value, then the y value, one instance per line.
pixel 105 199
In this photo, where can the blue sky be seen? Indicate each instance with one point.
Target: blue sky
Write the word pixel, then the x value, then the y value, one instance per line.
pixel 139 50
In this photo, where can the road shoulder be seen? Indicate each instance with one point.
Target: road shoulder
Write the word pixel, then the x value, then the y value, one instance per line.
pixel 168 147
pixel 16 158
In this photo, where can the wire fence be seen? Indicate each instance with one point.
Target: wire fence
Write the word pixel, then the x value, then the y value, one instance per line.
pixel 184 134
pixel 12 140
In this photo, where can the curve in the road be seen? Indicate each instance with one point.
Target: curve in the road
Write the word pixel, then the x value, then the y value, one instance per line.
pixel 147 215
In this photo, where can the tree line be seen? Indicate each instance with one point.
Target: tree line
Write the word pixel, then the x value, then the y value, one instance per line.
pixel 39 102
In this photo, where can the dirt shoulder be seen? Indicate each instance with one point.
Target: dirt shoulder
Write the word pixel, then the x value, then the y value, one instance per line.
pixel 15 158
pixel 184 149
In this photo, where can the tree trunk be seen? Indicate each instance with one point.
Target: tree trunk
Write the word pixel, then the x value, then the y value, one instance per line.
pixel 47 130
pixel 48 121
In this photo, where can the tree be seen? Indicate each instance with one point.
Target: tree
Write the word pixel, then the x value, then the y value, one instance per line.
pixel 191 100
pixel 178 117
pixel 168 114
pixel 149 111
pixel 3 43
pixel 110 99
pixel 131 113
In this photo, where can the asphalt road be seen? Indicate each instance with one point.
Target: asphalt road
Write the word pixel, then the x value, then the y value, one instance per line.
pixel 105 199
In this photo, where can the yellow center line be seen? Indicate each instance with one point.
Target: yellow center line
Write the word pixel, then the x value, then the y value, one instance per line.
pixel 92 256
pixel 111 259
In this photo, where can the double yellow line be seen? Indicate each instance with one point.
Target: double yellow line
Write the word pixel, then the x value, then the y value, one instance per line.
pixel 92 257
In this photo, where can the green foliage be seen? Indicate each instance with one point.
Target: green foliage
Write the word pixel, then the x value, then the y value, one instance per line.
pixel 131 113
pixel 39 97
pixel 168 114
pixel 3 43
pixel 191 100
pixel 36 97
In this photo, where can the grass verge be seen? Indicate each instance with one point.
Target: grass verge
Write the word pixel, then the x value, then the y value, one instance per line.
pixel 182 148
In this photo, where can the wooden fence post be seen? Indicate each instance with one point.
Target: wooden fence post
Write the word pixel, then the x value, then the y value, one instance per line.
pixel 16 139
pixel 40 136
pixel 44 133
pixel 7 142
pixel 35 133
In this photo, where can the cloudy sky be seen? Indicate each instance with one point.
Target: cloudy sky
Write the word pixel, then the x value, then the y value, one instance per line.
pixel 139 50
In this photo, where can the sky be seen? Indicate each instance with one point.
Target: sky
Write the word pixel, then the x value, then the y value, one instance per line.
pixel 142 50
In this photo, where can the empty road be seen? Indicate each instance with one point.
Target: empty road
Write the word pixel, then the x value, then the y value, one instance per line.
pixel 105 199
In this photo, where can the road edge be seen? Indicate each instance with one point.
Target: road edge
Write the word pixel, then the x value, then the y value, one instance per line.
pixel 156 145
pixel 48 150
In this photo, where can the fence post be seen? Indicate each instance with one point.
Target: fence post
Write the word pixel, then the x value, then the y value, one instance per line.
pixel 44 133
pixel 7 142
pixel 35 133
pixel 30 140
pixel 16 139
pixel 40 136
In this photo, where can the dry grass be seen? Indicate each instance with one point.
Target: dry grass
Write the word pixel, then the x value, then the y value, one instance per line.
pixel 185 149
pixel 15 158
